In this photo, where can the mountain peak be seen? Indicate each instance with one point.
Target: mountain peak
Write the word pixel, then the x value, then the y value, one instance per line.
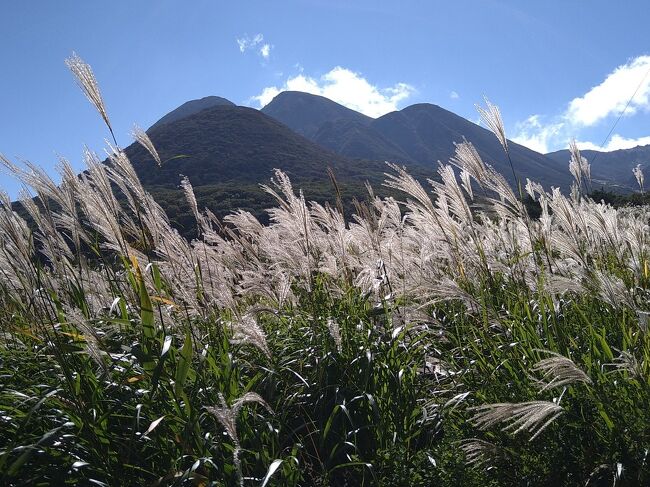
pixel 306 113
pixel 190 108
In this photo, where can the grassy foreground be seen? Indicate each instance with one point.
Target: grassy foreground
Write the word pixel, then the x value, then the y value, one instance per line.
pixel 447 339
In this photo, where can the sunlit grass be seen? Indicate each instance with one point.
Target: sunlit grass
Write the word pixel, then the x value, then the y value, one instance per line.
pixel 447 339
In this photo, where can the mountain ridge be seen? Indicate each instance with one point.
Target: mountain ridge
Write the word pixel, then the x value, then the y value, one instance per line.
pixel 612 169
pixel 418 135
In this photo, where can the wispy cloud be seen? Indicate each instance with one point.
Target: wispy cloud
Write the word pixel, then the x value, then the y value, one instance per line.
pixel 454 95
pixel 601 103
pixel 245 43
pixel 346 87
pixel 255 43
pixel 265 50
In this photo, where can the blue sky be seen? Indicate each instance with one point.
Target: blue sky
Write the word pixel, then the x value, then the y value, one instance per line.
pixel 557 68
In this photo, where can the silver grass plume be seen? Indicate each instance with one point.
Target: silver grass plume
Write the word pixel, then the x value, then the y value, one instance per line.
pixel 558 371
pixel 88 84
pixel 492 118
pixel 627 362
pixel 248 331
pixel 466 182
pixel 579 166
pixel 467 159
pixel 143 139
pixel 638 174
pixel 188 190
pixel 227 417
pixel 613 290
pixel 532 416
pixel 406 183
pixel 91 336
pixel 478 452
pixel 335 332
pixel 533 188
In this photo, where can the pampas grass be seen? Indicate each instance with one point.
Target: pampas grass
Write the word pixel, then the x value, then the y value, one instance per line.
pixel 382 342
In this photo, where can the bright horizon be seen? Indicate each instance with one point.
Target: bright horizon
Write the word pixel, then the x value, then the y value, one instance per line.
pixel 557 70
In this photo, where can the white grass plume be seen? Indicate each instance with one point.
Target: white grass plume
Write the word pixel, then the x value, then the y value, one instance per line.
pixel 557 371
pixel 532 416
pixel 227 417
pixel 479 453
pixel 491 116
pixel 143 139
pixel 335 333
pixel 579 166
pixel 638 174
pixel 247 330
pixel 88 83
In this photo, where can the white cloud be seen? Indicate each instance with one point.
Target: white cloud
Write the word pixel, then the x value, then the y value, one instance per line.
pixel 535 135
pixel 617 142
pixel 267 95
pixel 611 96
pixel 248 43
pixel 265 50
pixel 345 87
pixel 454 95
pixel 608 99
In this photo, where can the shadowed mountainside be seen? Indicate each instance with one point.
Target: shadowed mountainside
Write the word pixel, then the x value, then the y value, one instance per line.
pixel 612 170
pixel 419 135
pixel 190 108
pixel 226 151
pixel 305 113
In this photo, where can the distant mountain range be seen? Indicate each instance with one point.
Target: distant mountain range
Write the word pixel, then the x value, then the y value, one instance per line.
pixel 228 150
pixel 612 170
pixel 419 135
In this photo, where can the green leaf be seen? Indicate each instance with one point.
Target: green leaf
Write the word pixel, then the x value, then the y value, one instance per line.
pixel 272 468
pixel 603 414
pixel 157 279
pixel 184 362
pixel 604 346
pixel 146 308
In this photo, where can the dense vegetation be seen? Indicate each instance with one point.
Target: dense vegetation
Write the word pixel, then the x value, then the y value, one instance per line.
pixel 430 341
pixel 226 198
pixel 619 200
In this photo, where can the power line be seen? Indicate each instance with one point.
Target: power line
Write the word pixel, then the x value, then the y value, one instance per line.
pixel 627 105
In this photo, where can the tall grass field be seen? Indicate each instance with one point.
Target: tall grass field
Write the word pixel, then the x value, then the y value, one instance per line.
pixel 441 338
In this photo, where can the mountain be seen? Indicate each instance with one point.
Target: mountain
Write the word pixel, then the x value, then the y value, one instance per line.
pixel 358 140
pixel 226 151
pixel 190 108
pixel 305 113
pixel 611 169
pixel 417 136
pixel 233 143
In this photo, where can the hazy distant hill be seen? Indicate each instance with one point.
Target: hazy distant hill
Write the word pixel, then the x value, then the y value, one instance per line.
pixel 612 169
pixel 419 135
